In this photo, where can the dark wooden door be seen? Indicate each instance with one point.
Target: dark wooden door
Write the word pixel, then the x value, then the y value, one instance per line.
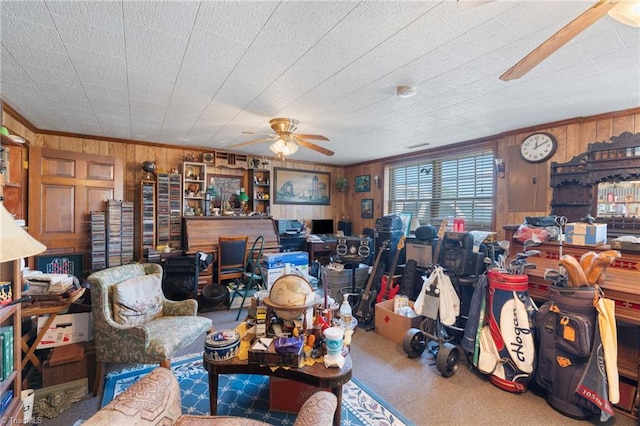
pixel 64 187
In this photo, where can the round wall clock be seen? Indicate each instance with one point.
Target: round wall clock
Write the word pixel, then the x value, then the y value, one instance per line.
pixel 538 147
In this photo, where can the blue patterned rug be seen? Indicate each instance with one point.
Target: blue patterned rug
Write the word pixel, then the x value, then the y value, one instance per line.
pixel 247 395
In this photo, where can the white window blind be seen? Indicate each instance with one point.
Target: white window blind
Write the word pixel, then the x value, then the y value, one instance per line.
pixel 446 187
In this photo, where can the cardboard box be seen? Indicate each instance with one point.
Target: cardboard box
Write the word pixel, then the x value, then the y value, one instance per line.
pixel 288 396
pixel 278 260
pixel 586 234
pixel 391 325
pixel 271 275
pixel 65 329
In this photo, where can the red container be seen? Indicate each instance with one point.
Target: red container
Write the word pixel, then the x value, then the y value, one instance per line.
pixel 458 224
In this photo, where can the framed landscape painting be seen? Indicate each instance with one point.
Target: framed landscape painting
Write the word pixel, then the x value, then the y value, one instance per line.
pixel 292 186
pixel 363 183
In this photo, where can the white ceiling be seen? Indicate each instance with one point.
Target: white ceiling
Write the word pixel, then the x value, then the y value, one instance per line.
pixel 199 73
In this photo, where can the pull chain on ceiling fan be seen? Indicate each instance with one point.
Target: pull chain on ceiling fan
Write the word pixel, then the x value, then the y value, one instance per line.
pixel 285 142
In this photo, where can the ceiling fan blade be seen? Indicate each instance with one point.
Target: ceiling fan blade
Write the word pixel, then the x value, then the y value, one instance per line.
pixel 251 142
pixel 559 39
pixel 315 147
pixel 315 137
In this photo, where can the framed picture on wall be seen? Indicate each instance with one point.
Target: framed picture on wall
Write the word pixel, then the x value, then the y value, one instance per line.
pixel 363 183
pixel 366 208
pixel 292 186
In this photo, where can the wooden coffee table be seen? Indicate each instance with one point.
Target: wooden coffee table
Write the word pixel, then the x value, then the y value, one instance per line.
pixel 315 375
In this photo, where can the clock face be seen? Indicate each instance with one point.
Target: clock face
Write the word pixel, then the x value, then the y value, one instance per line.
pixel 538 147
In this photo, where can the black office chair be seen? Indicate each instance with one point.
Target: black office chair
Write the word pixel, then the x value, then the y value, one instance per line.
pixel 232 257
pixel 252 278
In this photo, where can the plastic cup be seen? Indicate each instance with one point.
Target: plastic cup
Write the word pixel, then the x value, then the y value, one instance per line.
pixel 334 336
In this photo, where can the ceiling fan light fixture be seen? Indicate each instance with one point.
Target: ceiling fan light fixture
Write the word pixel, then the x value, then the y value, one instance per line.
pixel 406 91
pixel 627 12
pixel 284 147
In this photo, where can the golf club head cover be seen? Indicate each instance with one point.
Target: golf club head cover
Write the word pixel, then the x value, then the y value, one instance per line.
pixel 510 319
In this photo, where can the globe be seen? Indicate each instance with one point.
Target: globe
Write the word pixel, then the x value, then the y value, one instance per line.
pixel 149 166
pixel 291 291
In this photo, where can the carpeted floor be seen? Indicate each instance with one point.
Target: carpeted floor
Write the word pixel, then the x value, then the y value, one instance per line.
pixel 246 395
pixel 413 386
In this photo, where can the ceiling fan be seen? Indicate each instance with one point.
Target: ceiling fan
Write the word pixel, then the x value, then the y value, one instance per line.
pixel 625 11
pixel 284 141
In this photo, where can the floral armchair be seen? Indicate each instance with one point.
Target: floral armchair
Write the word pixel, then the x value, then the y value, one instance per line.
pixel 147 328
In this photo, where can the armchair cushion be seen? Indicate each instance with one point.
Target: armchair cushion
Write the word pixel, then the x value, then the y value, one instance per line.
pixel 138 300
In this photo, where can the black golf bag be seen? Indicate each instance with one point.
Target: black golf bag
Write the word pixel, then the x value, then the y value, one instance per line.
pixel 565 326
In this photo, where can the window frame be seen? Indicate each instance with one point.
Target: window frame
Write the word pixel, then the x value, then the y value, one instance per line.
pixel 476 151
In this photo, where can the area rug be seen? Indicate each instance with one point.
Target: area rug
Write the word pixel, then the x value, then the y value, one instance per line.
pixel 247 395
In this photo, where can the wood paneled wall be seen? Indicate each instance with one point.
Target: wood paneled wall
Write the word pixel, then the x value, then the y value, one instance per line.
pixel 167 157
pixel 573 137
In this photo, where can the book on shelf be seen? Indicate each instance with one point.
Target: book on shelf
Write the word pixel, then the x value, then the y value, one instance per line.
pixel 6 334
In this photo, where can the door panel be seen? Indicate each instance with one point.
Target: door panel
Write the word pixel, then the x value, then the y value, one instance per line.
pixel 64 187
pixel 58 217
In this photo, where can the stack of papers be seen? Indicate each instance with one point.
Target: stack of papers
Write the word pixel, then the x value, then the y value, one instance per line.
pixel 48 283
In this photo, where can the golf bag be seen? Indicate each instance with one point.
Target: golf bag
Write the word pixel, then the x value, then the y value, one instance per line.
pixel 507 348
pixel 566 327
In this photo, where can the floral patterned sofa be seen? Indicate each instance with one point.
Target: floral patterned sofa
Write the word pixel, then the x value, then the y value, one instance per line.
pixel 155 400
pixel 134 322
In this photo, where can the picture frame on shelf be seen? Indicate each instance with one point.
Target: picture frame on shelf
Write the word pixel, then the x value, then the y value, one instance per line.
pixel 308 187
pixel 226 188
pixel 366 208
pixel 363 183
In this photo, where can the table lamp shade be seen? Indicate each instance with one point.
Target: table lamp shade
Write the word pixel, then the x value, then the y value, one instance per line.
pixel 15 242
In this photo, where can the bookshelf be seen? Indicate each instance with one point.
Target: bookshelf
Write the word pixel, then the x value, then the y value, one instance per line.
pixel 259 190
pixel 193 188
pixel 169 210
pixel 147 218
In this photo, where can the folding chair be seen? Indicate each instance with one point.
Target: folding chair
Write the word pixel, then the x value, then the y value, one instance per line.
pixel 252 278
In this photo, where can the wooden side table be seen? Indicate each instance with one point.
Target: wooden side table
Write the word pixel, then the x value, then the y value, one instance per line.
pixel 315 375
pixel 44 305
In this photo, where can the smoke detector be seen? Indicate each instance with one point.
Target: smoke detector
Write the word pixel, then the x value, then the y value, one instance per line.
pixel 406 91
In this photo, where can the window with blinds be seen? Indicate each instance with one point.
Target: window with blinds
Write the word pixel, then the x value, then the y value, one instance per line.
pixel 446 187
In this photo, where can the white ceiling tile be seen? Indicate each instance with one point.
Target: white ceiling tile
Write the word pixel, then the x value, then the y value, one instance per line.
pixel 172 17
pixel 81 33
pixel 154 43
pixel 199 74
pixel 240 21
pixel 106 15
pixel 30 34
pixel 33 11
pixel 298 23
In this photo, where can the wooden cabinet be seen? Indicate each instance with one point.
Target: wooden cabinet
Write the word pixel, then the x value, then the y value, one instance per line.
pixel 193 188
pixel 13 156
pixel 259 190
pixel 169 210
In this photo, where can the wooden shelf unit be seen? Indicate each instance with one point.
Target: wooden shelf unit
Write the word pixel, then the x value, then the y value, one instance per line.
pixel 259 190
pixel 147 218
pixel 194 187
pixel 169 210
